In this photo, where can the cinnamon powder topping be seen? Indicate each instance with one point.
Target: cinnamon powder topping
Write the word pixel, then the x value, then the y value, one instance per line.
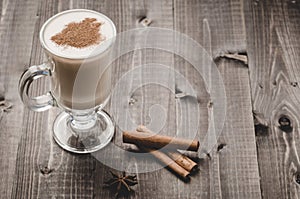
pixel 80 35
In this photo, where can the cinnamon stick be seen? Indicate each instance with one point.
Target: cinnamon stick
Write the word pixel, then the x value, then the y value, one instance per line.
pixel 168 162
pixel 152 140
pixel 191 154
pixel 190 145
pixel 183 161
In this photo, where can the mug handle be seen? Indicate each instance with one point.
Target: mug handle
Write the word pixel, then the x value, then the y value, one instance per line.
pixel 39 103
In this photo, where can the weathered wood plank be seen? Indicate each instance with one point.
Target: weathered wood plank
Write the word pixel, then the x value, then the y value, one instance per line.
pixel 238 160
pixel 233 167
pixel 43 169
pixel 157 184
pixel 16 30
pixel 273 48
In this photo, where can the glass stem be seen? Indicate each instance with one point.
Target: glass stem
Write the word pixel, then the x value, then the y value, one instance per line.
pixel 82 121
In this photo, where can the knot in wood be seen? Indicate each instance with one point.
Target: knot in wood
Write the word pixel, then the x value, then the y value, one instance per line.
pixel 297 178
pixel 285 124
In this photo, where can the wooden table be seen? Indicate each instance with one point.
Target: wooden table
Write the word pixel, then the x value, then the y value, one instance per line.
pixel 257 152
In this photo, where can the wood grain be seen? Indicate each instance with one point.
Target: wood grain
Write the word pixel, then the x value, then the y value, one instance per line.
pixel 16 44
pixel 273 49
pixel 43 169
pixel 133 15
pixel 250 160
pixel 50 171
pixel 232 165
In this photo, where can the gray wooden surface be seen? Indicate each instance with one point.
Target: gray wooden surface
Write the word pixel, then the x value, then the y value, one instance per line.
pixel 256 156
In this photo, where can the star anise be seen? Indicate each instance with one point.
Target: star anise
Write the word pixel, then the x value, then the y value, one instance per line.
pixel 121 184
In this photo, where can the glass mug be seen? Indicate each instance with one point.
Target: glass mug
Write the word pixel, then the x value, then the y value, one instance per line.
pixel 80 84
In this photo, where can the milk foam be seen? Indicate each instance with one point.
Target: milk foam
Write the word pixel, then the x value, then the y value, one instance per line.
pixel 58 22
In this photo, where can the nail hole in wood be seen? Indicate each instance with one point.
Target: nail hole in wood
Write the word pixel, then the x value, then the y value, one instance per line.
pixel 210 104
pixel 220 147
pixel 132 101
pixel 208 156
pixel 145 21
pixel 141 18
pixel 285 124
pixel 294 84
pixel 45 170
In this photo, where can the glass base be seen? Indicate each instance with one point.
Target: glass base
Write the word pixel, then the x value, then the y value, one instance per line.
pixel 83 136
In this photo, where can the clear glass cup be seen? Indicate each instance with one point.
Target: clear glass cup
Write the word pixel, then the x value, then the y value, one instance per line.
pixel 80 85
